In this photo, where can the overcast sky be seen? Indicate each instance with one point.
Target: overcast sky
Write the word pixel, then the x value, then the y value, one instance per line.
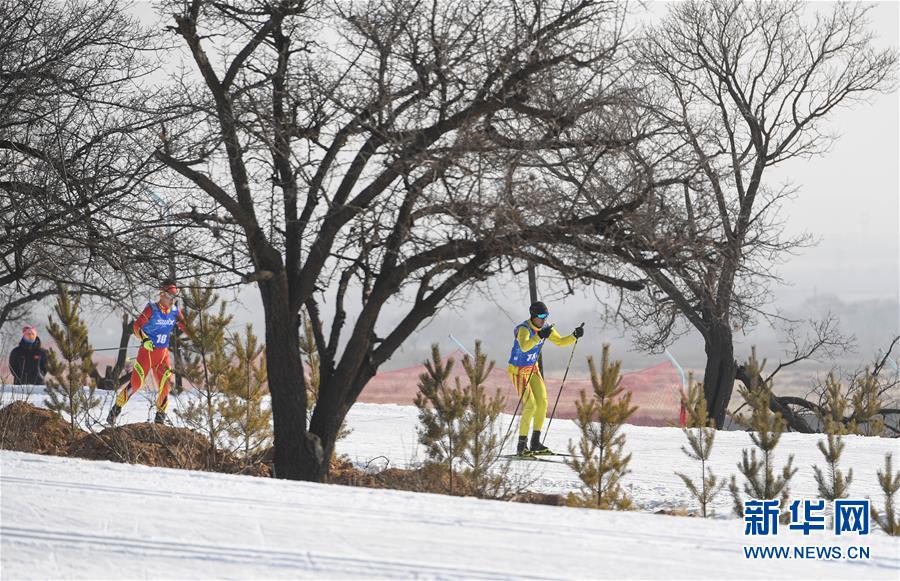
pixel 847 199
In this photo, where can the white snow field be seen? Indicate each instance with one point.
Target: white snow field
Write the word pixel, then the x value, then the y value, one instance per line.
pixel 385 434
pixel 70 518
pixel 389 431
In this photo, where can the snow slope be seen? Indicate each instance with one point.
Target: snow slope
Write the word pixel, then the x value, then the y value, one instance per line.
pixel 385 434
pixel 69 518
pixel 389 431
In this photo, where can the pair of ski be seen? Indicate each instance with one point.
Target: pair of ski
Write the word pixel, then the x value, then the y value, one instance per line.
pixel 551 458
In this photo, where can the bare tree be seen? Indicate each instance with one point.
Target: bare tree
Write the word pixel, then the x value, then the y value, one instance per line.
pixel 72 173
pixel 750 85
pixel 824 339
pixel 359 152
pixel 871 392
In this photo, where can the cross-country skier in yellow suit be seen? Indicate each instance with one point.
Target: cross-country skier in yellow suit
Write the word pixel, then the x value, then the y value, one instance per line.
pixel 526 376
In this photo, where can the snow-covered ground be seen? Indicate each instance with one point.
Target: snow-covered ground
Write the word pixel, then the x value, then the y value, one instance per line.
pixel 73 518
pixel 69 518
pixel 390 431
pixel 385 435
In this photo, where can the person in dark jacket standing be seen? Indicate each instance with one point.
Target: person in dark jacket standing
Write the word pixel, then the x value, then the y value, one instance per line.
pixel 28 361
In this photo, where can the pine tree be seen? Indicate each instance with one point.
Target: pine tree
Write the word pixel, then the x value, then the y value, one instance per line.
pixel 767 427
pixel 481 431
pixel 441 413
pixel 73 372
pixel 890 484
pixel 700 431
pixel 248 423
pixel 867 404
pixel 833 485
pixel 600 419
pixel 207 361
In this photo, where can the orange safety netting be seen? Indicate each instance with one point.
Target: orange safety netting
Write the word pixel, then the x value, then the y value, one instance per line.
pixel 655 391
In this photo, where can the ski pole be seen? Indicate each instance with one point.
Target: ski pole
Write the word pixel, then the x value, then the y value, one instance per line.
pixel 565 375
pixel 521 395
pixel 461 346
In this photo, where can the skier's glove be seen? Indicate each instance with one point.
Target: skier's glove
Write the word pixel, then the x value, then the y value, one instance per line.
pixel 579 331
pixel 147 344
pixel 545 332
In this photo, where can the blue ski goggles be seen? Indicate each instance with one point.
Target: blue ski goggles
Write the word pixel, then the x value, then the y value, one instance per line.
pixel 542 316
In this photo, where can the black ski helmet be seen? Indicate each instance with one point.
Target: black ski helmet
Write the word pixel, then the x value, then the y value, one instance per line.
pixel 538 308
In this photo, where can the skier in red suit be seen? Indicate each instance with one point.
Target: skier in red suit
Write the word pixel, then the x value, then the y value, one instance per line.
pixel 153 328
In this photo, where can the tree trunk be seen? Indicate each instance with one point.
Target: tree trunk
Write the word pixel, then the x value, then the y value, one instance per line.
pixel 533 295
pixel 335 400
pixel 778 405
pixel 719 375
pixel 318 447
pixel 123 347
pixel 285 374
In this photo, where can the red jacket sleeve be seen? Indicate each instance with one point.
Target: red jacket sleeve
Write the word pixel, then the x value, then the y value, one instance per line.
pixel 181 323
pixel 138 326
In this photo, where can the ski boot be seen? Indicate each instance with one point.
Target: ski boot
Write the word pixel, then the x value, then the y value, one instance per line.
pixel 114 412
pixel 160 418
pixel 538 449
pixel 522 447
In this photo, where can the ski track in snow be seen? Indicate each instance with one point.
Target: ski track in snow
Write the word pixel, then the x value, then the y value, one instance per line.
pixel 70 518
